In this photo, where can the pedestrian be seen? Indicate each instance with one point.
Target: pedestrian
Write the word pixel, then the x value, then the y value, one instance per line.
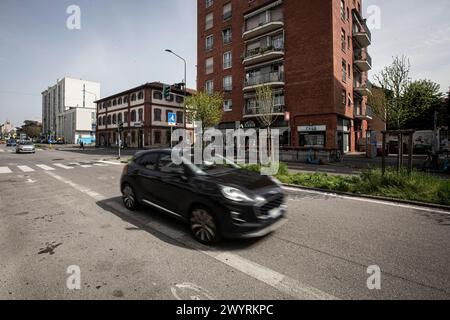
pixel 82 144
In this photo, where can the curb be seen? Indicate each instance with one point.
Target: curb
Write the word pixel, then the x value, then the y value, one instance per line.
pixel 362 196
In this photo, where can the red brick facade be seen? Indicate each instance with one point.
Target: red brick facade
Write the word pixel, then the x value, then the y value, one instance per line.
pixel 311 58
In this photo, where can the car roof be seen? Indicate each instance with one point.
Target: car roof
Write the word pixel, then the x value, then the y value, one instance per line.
pixel 144 152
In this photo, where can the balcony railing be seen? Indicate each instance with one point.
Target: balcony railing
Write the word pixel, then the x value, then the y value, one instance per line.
pixel 261 51
pixel 361 32
pixel 264 78
pixel 256 111
pixel 362 60
pixel 271 24
pixel 367 115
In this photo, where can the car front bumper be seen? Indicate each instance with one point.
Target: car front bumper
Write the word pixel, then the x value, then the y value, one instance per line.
pixel 26 150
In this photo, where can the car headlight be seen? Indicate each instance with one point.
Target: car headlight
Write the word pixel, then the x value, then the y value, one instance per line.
pixel 235 195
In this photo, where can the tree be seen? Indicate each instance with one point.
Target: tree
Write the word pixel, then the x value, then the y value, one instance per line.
pixel 393 80
pixel 421 99
pixel 265 103
pixel 32 129
pixel 205 108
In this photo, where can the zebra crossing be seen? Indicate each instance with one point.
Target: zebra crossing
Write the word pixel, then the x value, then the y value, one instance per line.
pixel 53 167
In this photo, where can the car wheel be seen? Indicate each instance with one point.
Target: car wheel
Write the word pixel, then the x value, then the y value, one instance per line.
pixel 129 198
pixel 203 226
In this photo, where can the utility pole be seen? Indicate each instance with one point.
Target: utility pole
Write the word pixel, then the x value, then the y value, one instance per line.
pixel 84 96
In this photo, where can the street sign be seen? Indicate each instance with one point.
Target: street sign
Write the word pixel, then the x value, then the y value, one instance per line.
pixel 172 119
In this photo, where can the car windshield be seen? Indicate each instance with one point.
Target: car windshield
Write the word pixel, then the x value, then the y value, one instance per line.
pixel 26 143
pixel 212 165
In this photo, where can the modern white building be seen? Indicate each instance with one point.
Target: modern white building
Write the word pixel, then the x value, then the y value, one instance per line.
pixel 69 111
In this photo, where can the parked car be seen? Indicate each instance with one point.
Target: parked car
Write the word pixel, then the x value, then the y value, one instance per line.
pixel 25 147
pixel 11 143
pixel 217 198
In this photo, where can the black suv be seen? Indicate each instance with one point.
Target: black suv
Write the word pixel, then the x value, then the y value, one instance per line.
pixel 216 198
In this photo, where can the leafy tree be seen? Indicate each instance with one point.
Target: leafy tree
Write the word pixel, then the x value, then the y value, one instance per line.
pixel 421 99
pixel 393 80
pixel 265 102
pixel 32 129
pixel 205 107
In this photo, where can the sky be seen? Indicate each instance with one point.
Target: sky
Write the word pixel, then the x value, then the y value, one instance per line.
pixel 121 44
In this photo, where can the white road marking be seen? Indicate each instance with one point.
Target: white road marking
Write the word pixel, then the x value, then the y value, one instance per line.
pixel 86 166
pixel 44 167
pixel 270 277
pixel 113 163
pixel 1 150
pixel 96 196
pixel 5 170
pixel 60 165
pixel 25 168
pixel 100 165
pixel 386 203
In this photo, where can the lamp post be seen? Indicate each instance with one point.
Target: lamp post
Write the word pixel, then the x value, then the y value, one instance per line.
pixel 185 87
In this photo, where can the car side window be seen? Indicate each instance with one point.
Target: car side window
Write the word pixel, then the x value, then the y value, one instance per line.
pixel 167 166
pixel 148 161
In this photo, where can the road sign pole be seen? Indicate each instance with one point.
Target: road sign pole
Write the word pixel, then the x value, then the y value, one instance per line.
pixel 119 143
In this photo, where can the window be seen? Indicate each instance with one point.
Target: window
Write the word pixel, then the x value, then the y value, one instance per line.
pixel 141 95
pixel 209 21
pixel 119 101
pixel 166 165
pixel 133 116
pixel 149 160
pixel 180 117
pixel 344 97
pixel 179 99
pixel 344 70
pixel 119 118
pixel 157 137
pixel 209 87
pixel 170 98
pixel 227 83
pixel 227 11
pixel 209 65
pixel 342 9
pixel 157 115
pixel 349 73
pixel 125 99
pixel 140 115
pixel 209 42
pixel 114 119
pixel 167 114
pixel 208 3
pixel 114 103
pixel 133 97
pixel 343 44
pixel 125 117
pixel 109 119
pixel 227 60
pixel 350 102
pixel 105 121
pixel 99 121
pixel 157 95
pixel 226 36
pixel 227 105
pixel 312 139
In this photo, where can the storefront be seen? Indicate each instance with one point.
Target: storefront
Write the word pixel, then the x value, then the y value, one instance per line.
pixel 312 136
pixel 344 135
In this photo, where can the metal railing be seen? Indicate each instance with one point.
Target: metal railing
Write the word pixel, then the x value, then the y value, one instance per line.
pixel 261 24
pixel 361 25
pixel 364 56
pixel 250 111
pixel 260 51
pixel 264 78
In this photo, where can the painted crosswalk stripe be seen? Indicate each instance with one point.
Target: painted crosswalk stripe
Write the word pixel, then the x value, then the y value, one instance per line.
pixel 110 162
pixel 5 170
pixel 85 166
pixel 25 168
pixel 44 167
pixel 62 166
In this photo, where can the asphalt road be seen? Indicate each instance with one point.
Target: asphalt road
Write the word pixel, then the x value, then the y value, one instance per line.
pixel 60 209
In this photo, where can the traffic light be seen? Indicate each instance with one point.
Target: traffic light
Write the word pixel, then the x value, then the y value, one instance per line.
pixel 120 126
pixel 166 91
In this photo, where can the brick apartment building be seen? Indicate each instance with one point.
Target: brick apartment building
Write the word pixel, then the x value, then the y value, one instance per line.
pixel 312 53
pixel 144 113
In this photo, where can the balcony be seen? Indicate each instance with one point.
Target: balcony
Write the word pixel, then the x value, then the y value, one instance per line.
pixel 274 79
pixel 362 60
pixel 367 115
pixel 250 111
pixel 361 89
pixel 262 55
pixel 361 33
pixel 263 28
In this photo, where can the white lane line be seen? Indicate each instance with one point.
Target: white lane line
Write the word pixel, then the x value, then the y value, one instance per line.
pixel 113 163
pixel 100 165
pixel 5 170
pixel 85 166
pixel 386 203
pixel 60 165
pixel 96 196
pixel 44 167
pixel 270 277
pixel 25 169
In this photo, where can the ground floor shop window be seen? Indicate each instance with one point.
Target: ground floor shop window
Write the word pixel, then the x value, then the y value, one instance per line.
pixel 157 137
pixel 312 139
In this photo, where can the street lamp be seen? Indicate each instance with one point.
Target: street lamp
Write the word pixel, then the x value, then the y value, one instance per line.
pixel 185 83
